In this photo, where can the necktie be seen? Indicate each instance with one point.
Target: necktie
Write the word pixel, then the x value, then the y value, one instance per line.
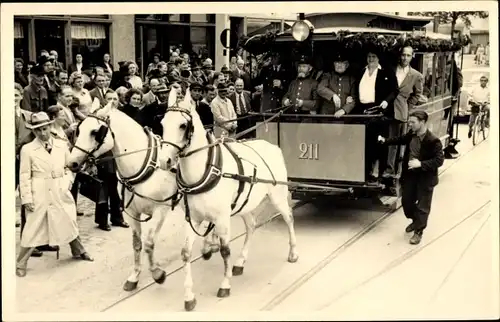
pixel 242 105
pixel 48 147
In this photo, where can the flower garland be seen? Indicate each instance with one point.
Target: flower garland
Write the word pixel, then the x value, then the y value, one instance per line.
pixel 356 42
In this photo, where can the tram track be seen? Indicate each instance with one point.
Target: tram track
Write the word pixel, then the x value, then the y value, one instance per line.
pixel 287 292
pixel 304 278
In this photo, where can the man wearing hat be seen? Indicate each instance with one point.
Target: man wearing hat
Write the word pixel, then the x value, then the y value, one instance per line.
pixel 196 75
pixel 208 72
pixel 223 111
pixel 35 97
pixel 44 187
pixel 153 113
pixel 338 89
pixel 302 92
pixel 273 80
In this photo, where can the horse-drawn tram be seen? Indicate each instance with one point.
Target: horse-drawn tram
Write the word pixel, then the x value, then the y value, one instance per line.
pixel 326 153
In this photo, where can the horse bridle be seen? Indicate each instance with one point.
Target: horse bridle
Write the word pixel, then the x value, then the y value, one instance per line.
pixel 100 135
pixel 188 131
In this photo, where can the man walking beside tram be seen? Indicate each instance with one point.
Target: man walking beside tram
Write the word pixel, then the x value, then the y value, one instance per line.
pixel 410 83
pixel 338 89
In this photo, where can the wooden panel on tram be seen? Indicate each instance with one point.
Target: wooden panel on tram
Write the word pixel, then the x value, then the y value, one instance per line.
pixel 321 151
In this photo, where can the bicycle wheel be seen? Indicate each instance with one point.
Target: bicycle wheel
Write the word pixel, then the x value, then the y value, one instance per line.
pixel 476 128
pixel 485 127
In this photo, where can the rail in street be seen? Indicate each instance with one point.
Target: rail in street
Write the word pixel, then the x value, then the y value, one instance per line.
pixel 343 252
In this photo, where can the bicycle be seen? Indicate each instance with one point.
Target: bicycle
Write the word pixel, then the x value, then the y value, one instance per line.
pixel 481 124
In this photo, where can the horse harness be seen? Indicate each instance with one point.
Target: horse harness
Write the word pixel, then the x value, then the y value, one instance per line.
pixel 213 172
pixel 147 169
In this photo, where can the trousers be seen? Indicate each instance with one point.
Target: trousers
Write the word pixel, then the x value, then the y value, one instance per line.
pixel 25 252
pixel 396 128
pixel 416 199
pixel 110 183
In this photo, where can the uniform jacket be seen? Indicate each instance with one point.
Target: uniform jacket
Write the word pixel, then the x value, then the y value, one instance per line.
pixel 343 85
pixel 46 183
pixel 97 92
pixel 431 158
pixel 151 116
pixel 303 89
pixel 272 96
pixel 409 91
pixel 386 89
pixel 35 99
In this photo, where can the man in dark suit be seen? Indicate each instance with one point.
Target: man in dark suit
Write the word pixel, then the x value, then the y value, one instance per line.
pixel 203 107
pixel 302 92
pixel 410 83
pixel 99 91
pixel 152 114
pixel 423 156
pixel 35 96
pixel 274 80
pixel 377 86
pixel 241 100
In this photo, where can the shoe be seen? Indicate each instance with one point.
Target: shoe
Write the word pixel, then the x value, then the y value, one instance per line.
pixel 409 228
pixel 36 253
pixel 18 224
pixel 21 272
pixel 79 213
pixel 469 135
pixel 85 256
pixel 121 224
pixel 416 238
pixel 388 174
pixel 104 227
pixel 47 248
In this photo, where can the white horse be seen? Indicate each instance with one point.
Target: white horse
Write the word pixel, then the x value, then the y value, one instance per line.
pixel 148 188
pixel 204 168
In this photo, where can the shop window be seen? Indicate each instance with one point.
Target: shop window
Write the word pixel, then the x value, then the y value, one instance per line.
pixel 21 45
pixel 165 18
pixel 49 35
pixel 91 41
pixel 256 26
pixel 199 18
pixel 202 39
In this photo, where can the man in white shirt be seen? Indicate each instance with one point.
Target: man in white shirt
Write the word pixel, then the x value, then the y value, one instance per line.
pixel 223 110
pixel 479 96
pixel 241 100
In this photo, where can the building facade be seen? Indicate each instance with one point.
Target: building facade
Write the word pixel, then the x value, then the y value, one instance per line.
pixel 135 37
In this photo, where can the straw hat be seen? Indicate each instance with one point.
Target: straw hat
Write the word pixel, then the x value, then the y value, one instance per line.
pixel 38 120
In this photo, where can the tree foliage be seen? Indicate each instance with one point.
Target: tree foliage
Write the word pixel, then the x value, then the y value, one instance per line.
pixel 451 17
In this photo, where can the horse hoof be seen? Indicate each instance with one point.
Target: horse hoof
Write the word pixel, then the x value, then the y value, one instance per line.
pixel 130 286
pixel 207 256
pixel 159 276
pixel 237 270
pixel 292 258
pixel 223 292
pixel 190 305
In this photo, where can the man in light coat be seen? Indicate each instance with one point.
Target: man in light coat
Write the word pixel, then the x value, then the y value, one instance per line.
pixel 410 82
pixel 44 187
pixel 223 111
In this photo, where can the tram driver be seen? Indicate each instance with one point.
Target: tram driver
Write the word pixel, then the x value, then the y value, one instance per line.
pixel 338 88
pixel 302 92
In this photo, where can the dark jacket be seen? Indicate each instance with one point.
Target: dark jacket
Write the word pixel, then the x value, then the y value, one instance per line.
pixel 133 112
pixel 35 99
pixel 303 89
pixel 96 92
pixel 386 89
pixel 21 79
pixel 205 113
pixel 151 116
pixel 431 158
pixel 272 96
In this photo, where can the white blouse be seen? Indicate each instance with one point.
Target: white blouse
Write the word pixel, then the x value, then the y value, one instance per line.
pixel 367 86
pixel 136 82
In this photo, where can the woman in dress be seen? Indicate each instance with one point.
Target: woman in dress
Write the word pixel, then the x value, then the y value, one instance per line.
pixel 132 76
pixel 87 105
pixel 44 188
pixel 106 64
pixel 78 66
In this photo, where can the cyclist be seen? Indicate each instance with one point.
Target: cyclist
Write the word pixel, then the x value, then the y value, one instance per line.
pixel 479 97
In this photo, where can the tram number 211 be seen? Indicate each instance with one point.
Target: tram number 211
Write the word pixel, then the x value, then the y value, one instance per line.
pixel 309 151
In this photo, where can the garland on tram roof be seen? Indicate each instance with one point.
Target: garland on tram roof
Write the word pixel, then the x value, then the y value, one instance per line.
pixel 265 43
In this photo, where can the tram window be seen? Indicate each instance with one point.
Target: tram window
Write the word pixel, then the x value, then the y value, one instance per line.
pixel 427 62
pixel 441 75
pixel 448 73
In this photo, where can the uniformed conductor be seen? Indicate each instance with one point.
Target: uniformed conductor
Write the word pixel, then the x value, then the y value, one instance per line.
pixel 338 89
pixel 302 92
pixel 422 158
